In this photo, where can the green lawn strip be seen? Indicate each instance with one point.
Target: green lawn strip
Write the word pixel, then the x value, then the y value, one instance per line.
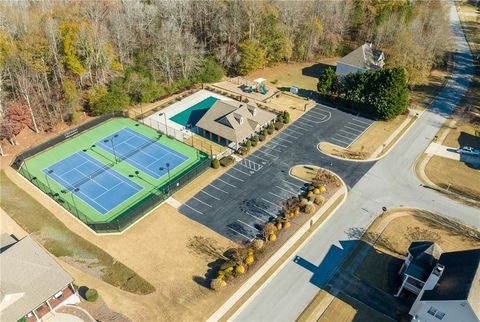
pixel 61 242
pixel 87 213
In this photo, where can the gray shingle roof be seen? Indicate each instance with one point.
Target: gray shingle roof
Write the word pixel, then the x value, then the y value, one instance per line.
pixel 425 255
pixel 364 57
pixel 30 272
pixel 233 120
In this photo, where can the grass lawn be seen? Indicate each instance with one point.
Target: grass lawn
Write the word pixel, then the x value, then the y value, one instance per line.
pixel 461 177
pixel 380 266
pixel 61 242
pixel 83 144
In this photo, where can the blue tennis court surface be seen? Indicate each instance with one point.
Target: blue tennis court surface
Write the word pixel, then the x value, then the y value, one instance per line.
pixel 95 183
pixel 145 154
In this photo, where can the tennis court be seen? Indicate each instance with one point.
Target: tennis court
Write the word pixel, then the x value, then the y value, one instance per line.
pixel 145 154
pixel 107 173
pixel 191 116
pixel 95 183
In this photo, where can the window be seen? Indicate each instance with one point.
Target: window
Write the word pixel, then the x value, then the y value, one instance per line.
pixel 432 311
pixel 440 315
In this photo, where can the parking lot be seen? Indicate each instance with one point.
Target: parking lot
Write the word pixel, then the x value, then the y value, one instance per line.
pixel 239 202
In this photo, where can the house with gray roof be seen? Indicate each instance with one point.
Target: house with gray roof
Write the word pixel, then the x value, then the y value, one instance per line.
pixel 447 284
pixel 32 283
pixel 360 60
pixel 230 123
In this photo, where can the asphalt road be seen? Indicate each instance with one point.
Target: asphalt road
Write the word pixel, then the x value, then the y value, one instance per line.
pixel 391 182
pixel 240 201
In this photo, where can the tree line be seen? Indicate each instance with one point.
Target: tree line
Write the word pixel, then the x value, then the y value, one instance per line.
pixel 58 58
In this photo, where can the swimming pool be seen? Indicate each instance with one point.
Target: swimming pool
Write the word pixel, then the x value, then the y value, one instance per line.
pixel 190 116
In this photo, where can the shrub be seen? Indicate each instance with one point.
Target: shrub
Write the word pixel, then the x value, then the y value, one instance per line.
pixel 255 138
pixel 91 295
pixel 286 117
pixel 316 191
pixel 319 200
pixel 240 269
pixel 271 126
pixel 217 284
pixel 310 193
pixel 269 228
pixel 257 244
pixel 278 126
pixel 249 260
pixel 215 163
pixel 322 189
pixel 262 137
pixel 286 225
pixel 272 237
pixel 248 143
pixel 280 119
pixel 254 143
pixel 270 131
pixel 278 225
pixel 227 264
pixel 226 161
pixel 309 209
pixel 264 132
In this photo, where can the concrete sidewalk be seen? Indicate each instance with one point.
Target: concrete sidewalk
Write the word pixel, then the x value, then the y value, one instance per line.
pixel 450 153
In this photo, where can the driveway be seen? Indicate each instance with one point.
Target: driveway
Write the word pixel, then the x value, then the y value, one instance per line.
pixel 450 153
pixel 391 182
pixel 238 203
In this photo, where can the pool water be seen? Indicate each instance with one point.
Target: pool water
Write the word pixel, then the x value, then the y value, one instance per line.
pixel 190 116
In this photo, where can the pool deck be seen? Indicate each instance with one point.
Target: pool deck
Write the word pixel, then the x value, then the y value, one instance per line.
pixel 157 121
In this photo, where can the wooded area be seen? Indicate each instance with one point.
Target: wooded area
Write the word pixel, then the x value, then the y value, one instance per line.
pixel 59 58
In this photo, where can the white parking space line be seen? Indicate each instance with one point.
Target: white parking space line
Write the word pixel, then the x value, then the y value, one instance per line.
pixel 287 190
pixel 228 174
pixel 248 174
pixel 299 127
pixel 276 195
pixel 264 210
pixel 308 120
pixel 361 121
pixel 247 225
pixel 201 213
pixel 248 237
pixel 215 187
pixel 352 129
pixel 210 195
pixel 305 124
pixel 280 144
pixel 250 165
pixel 340 141
pixel 227 183
pixel 206 204
pixel 318 113
pixel 360 126
pixel 256 156
pixel 258 218
pixel 273 204
pixel 325 106
pixel 269 146
pixel 346 132
pixel 343 136
pixel 261 150
pixel 292 136
pixel 284 139
pixel 290 183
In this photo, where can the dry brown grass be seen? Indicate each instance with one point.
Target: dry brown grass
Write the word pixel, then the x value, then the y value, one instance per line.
pixel 335 150
pixel 463 134
pixel 198 184
pixel 303 173
pixel 302 75
pixel 459 176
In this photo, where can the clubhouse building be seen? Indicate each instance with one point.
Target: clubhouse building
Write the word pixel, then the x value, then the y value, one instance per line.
pixel 229 123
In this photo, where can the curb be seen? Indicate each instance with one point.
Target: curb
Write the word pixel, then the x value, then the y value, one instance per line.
pixel 220 313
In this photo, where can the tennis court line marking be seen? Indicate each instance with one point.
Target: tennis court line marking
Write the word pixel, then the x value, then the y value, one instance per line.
pixel 209 195
pixel 275 205
pixel 340 141
pixel 248 225
pixel 106 190
pixel 215 187
pixel 227 183
pixel 284 139
pixel 206 204
pixel 248 174
pixel 290 191
pixel 249 238
pixel 201 213
pixel 228 174
pixel 276 195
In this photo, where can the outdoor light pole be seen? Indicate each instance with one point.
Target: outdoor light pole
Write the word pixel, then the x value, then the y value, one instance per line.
pixel 113 146
pixel 165 117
